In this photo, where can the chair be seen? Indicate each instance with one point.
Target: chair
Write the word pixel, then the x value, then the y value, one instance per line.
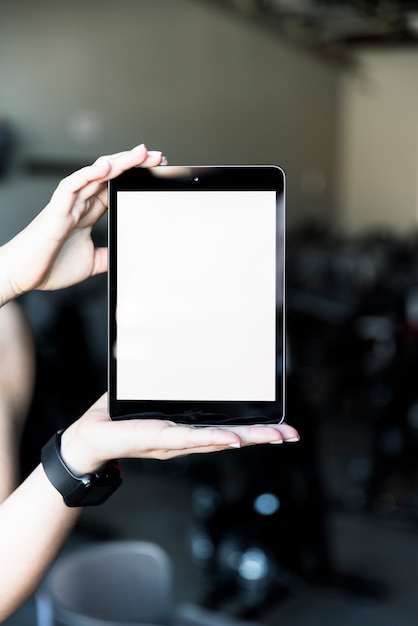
pixel 118 583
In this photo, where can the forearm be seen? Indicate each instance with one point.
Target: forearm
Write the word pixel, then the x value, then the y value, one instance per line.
pixel 9 455
pixel 17 374
pixel 34 523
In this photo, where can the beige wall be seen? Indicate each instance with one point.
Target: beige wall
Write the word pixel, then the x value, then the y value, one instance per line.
pixel 378 159
pixel 198 82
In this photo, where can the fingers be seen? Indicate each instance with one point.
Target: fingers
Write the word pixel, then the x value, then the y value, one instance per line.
pixel 140 150
pixel 176 440
pixel 138 156
pixel 90 178
pixel 265 433
pixel 163 439
pixel 289 433
pixel 190 439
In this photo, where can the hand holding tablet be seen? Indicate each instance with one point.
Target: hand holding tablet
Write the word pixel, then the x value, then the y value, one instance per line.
pixel 196 294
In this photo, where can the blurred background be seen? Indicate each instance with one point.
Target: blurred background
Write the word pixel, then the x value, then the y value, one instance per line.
pixel 325 531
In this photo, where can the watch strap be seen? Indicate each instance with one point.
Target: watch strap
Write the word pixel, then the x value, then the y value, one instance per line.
pixel 73 488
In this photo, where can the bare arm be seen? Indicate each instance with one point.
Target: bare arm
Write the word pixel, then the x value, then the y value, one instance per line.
pixel 34 523
pixel 17 371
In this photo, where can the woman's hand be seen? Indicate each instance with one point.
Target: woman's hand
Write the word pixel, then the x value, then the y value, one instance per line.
pixel 93 439
pixel 56 249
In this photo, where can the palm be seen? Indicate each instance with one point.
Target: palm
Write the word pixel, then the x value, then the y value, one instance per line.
pixel 56 250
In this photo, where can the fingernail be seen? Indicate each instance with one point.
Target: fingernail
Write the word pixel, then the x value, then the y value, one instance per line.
pixel 292 439
pixel 276 441
pixel 234 445
pixel 138 148
pixel 154 153
pixel 164 160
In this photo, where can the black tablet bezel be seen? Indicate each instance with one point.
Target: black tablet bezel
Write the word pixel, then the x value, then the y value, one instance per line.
pixel 203 178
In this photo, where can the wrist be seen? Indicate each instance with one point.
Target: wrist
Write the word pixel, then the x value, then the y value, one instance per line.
pixel 78 457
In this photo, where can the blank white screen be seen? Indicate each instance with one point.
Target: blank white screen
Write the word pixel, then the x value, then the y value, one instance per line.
pixel 196 296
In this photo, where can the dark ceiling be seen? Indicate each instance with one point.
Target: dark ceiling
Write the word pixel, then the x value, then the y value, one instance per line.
pixel 334 28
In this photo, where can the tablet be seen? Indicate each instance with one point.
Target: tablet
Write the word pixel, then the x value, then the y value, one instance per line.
pixel 196 294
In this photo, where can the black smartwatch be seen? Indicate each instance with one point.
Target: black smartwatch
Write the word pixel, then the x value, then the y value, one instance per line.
pixel 87 490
